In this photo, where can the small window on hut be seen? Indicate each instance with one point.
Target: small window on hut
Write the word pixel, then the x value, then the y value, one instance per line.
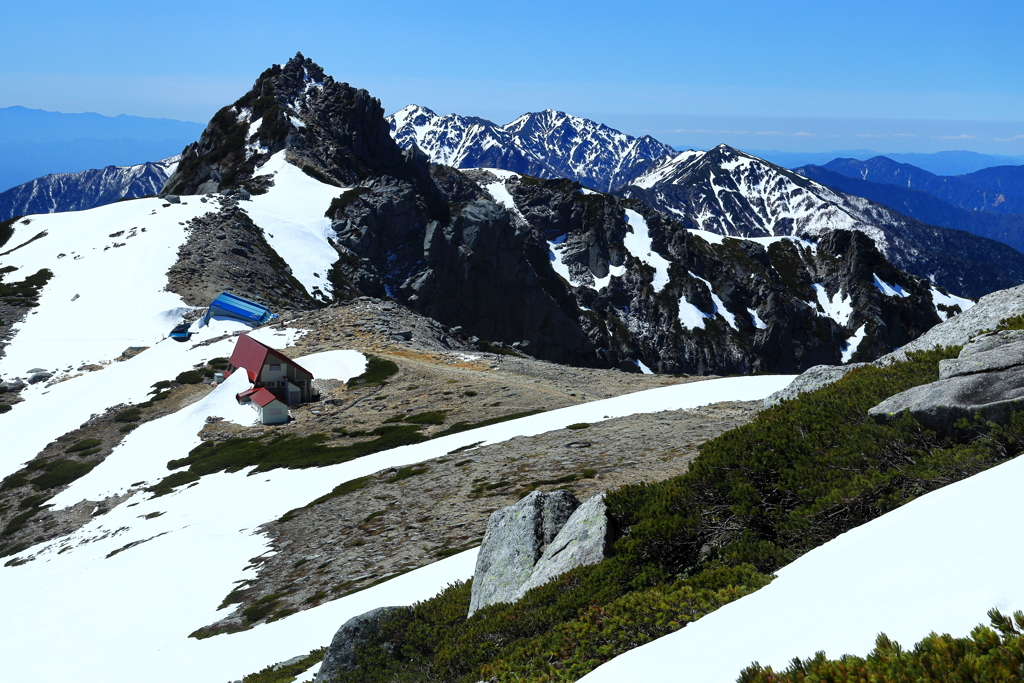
pixel 275 367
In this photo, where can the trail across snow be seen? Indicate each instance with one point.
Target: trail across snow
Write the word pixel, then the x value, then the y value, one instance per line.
pixel 151 595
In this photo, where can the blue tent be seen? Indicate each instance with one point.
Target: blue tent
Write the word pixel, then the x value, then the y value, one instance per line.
pixel 231 306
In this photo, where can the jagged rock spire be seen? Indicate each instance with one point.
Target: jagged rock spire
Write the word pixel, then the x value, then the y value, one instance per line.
pixel 335 132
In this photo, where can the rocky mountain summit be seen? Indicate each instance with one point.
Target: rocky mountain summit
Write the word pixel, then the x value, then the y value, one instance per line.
pixel 557 270
pixel 547 144
pixel 729 192
pixel 86 189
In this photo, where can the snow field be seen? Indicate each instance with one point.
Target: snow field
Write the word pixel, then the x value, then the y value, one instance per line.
pixel 291 214
pixel 120 302
pixel 153 594
pixel 935 564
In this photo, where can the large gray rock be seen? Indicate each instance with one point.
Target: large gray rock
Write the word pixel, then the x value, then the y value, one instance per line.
pixel 987 378
pixel 353 634
pixel 988 353
pixel 582 541
pixel 812 379
pixel 940 404
pixel 513 542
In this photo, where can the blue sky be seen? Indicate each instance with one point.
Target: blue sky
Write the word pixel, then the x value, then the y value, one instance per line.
pixel 889 76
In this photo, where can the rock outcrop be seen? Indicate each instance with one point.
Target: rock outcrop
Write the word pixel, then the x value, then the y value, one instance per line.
pixel 356 632
pixel 582 541
pixel 987 379
pixel 513 542
pixel 528 544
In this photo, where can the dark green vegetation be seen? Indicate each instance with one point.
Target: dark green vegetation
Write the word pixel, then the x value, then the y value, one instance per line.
pixel 578 425
pixel 286 674
pixel 26 292
pixel 756 498
pixel 4 407
pixel 59 472
pixel 130 415
pixel 7 230
pixel 189 377
pixel 377 370
pixel 268 453
pixel 83 445
pixel 989 655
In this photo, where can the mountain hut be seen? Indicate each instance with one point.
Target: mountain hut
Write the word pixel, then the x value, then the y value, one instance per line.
pixel 268 407
pixel 288 381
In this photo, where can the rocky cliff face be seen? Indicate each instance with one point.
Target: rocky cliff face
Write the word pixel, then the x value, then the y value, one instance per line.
pixel 728 192
pixel 566 273
pixel 334 132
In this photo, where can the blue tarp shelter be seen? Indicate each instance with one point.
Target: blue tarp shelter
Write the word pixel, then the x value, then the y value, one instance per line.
pixel 230 306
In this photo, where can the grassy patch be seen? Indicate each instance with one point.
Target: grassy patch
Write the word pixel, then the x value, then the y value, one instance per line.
pixel 130 415
pixel 578 425
pixel 124 429
pixel 59 472
pixel 377 371
pixel 261 608
pixel 19 521
pixel 406 472
pixel 284 451
pixel 83 445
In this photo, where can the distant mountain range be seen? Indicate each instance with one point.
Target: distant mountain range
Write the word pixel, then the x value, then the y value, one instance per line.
pixel 547 144
pixel 86 189
pixel 34 143
pixel 998 189
pixel 940 163
pixel 925 207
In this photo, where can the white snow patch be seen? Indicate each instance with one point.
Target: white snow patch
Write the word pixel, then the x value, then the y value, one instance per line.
pixel 889 290
pixel 643 368
pixel 889 576
pixel 291 214
pixel 638 243
pixel 850 347
pixel 949 300
pixel 720 308
pixel 341 365
pixel 691 317
pixel 758 323
pixel 839 307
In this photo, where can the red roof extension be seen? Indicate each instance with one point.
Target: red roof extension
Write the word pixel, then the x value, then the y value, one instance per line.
pixel 251 355
pixel 262 397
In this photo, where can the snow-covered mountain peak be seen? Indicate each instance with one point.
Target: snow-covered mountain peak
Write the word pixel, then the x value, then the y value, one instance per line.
pixel 546 144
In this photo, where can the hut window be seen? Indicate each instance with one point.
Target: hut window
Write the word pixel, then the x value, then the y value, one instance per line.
pixel 275 367
pixel 273 411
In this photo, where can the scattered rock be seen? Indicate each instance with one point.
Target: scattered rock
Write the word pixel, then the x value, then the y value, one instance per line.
pixel 812 379
pixel 353 634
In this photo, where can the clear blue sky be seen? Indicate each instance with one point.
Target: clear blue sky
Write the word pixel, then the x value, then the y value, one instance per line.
pixel 887 75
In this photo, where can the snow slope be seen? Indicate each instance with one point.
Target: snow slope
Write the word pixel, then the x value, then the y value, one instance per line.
pixel 938 564
pixel 291 214
pixel 171 571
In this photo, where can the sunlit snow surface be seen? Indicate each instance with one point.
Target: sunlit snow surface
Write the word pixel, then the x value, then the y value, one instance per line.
pixel 638 243
pixel 936 564
pixel 112 618
pixel 949 300
pixel 291 214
